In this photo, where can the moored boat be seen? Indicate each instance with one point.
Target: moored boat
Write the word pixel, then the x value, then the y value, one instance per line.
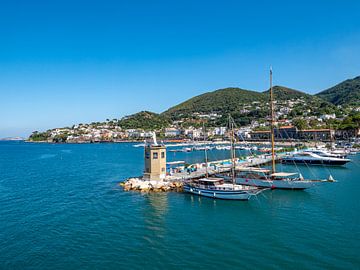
pixel 217 188
pixel 327 153
pixel 314 159
pixel 280 180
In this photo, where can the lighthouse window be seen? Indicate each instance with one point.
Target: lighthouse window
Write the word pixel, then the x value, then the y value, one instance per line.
pixel 155 155
pixel 163 169
pixel 162 154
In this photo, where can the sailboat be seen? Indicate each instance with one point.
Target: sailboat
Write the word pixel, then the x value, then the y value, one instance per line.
pixel 217 188
pixel 272 178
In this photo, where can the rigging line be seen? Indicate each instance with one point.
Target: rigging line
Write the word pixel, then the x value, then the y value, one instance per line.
pixel 297 168
pixel 233 164
pixel 273 165
pixel 252 154
pixel 306 164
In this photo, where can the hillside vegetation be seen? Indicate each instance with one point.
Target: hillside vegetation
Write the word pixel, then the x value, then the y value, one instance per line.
pixel 285 93
pixel 345 93
pixel 221 101
pixel 144 120
pixel 246 105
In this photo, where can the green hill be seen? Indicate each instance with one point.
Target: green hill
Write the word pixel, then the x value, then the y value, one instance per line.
pixel 285 93
pixel 344 93
pixel 232 100
pixel 244 105
pixel 222 101
pixel 144 120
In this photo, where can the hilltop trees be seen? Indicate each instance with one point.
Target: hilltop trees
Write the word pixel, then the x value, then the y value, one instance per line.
pixel 144 120
pixel 37 136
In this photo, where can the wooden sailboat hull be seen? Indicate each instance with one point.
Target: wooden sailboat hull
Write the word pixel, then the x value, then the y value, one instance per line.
pixel 220 194
pixel 278 184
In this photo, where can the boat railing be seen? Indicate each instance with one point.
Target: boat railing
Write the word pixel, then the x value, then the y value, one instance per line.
pixel 211 187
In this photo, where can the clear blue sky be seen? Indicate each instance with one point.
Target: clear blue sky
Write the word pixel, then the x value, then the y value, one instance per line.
pixel 67 62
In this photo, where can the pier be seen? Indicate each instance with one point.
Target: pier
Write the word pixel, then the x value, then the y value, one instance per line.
pixel 220 168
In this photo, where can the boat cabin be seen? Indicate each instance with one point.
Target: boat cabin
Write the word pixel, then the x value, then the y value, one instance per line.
pixel 210 181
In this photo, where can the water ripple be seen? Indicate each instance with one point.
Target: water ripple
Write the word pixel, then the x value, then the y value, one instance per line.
pixel 61 208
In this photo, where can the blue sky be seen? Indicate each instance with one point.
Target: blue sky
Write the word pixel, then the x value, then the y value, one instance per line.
pixel 68 62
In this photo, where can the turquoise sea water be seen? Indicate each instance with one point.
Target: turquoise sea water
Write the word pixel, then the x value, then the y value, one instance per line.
pixel 61 208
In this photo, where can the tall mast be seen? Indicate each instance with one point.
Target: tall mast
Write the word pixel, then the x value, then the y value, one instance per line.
pixel 231 125
pixel 206 157
pixel 272 124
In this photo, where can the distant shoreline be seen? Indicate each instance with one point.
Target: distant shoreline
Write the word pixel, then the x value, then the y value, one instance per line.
pixel 11 140
pixel 127 141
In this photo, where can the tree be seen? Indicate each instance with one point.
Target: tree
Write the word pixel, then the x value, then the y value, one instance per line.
pixel 313 123
pixel 300 123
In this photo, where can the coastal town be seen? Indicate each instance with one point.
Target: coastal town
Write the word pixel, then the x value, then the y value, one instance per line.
pixel 86 133
pixel 287 129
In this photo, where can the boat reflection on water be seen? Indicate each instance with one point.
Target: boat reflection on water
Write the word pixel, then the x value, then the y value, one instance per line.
pixel 154 217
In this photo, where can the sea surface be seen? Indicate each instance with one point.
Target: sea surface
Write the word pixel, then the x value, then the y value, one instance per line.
pixel 61 207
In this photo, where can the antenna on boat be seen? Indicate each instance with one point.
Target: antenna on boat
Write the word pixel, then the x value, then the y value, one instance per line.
pixel 272 124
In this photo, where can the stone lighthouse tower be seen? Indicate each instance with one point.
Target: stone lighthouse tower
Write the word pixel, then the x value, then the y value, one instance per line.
pixel 155 160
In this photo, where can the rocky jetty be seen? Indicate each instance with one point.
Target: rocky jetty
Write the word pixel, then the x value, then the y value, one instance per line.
pixel 143 185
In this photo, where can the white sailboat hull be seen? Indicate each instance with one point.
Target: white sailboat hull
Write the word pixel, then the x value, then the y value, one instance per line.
pixel 278 184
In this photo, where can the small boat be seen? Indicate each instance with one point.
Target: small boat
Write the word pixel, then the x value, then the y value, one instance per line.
pixel 353 151
pixel 139 145
pixel 222 147
pixel 202 148
pixel 340 152
pixel 265 150
pixel 217 188
pixel 314 159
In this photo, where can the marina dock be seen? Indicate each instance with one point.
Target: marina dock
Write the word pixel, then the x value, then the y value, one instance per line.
pixel 160 175
pixel 220 168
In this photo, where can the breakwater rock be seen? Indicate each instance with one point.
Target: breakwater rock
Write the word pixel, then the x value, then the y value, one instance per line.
pixel 140 184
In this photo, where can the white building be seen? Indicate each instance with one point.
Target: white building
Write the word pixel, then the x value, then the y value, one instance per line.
pixel 328 116
pixel 172 132
pixel 220 131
